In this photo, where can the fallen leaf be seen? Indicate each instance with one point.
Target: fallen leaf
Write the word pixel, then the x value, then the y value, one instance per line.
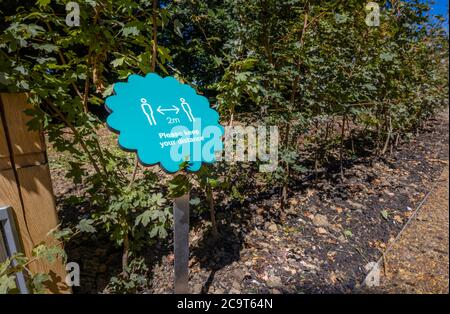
pixel 348 233
pixel 398 219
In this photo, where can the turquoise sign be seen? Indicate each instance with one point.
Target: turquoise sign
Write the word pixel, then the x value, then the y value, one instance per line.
pixel 165 122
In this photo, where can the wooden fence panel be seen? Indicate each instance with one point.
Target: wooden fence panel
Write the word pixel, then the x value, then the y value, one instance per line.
pixel 5 162
pixel 25 184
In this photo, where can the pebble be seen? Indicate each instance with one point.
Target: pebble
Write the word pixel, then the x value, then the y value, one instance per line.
pixel 355 205
pixel 274 281
pixel 239 274
pixel 272 227
pixel 320 221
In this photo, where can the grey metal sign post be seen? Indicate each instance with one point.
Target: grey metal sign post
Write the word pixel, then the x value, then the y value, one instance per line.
pixel 181 243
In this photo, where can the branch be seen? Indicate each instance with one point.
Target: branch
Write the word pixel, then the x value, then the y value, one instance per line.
pixel 152 69
pixel 63 61
pixel 76 134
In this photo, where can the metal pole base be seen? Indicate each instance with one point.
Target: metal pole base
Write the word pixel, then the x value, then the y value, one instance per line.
pixel 181 243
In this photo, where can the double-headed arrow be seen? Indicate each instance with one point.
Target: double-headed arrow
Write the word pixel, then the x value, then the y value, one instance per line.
pixel 174 108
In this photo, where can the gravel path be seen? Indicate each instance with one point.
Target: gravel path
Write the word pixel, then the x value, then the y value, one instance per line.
pixel 418 262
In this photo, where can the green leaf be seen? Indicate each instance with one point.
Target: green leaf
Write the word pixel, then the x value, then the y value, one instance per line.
pixel 7 283
pixel 63 234
pixel 115 63
pixel 45 47
pixel 387 56
pixel 144 218
pixel 241 77
pixel 43 3
pixel 153 232
pixel 341 18
pixel 162 232
pixel 108 91
pixel 348 233
pixel 130 30
pixel 194 201
pixel 49 253
pixel 38 282
pixel 85 225
pixel 4 266
pixel 179 186
pixel 177 27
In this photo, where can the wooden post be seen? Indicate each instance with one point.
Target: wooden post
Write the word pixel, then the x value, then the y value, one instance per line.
pixel 25 184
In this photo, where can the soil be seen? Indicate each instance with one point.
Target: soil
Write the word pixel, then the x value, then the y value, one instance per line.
pixel 332 230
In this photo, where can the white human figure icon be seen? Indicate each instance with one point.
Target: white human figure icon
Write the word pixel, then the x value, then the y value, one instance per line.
pixel 187 109
pixel 148 111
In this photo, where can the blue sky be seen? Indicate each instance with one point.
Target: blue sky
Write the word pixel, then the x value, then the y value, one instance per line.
pixel 440 7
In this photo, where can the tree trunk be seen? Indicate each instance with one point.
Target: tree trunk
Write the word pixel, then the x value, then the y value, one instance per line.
pixel 349 129
pixel 285 183
pixel 389 135
pixel 324 144
pixel 341 149
pixel 154 35
pixel 397 139
pixel 125 255
pixel 212 211
pixel 231 116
